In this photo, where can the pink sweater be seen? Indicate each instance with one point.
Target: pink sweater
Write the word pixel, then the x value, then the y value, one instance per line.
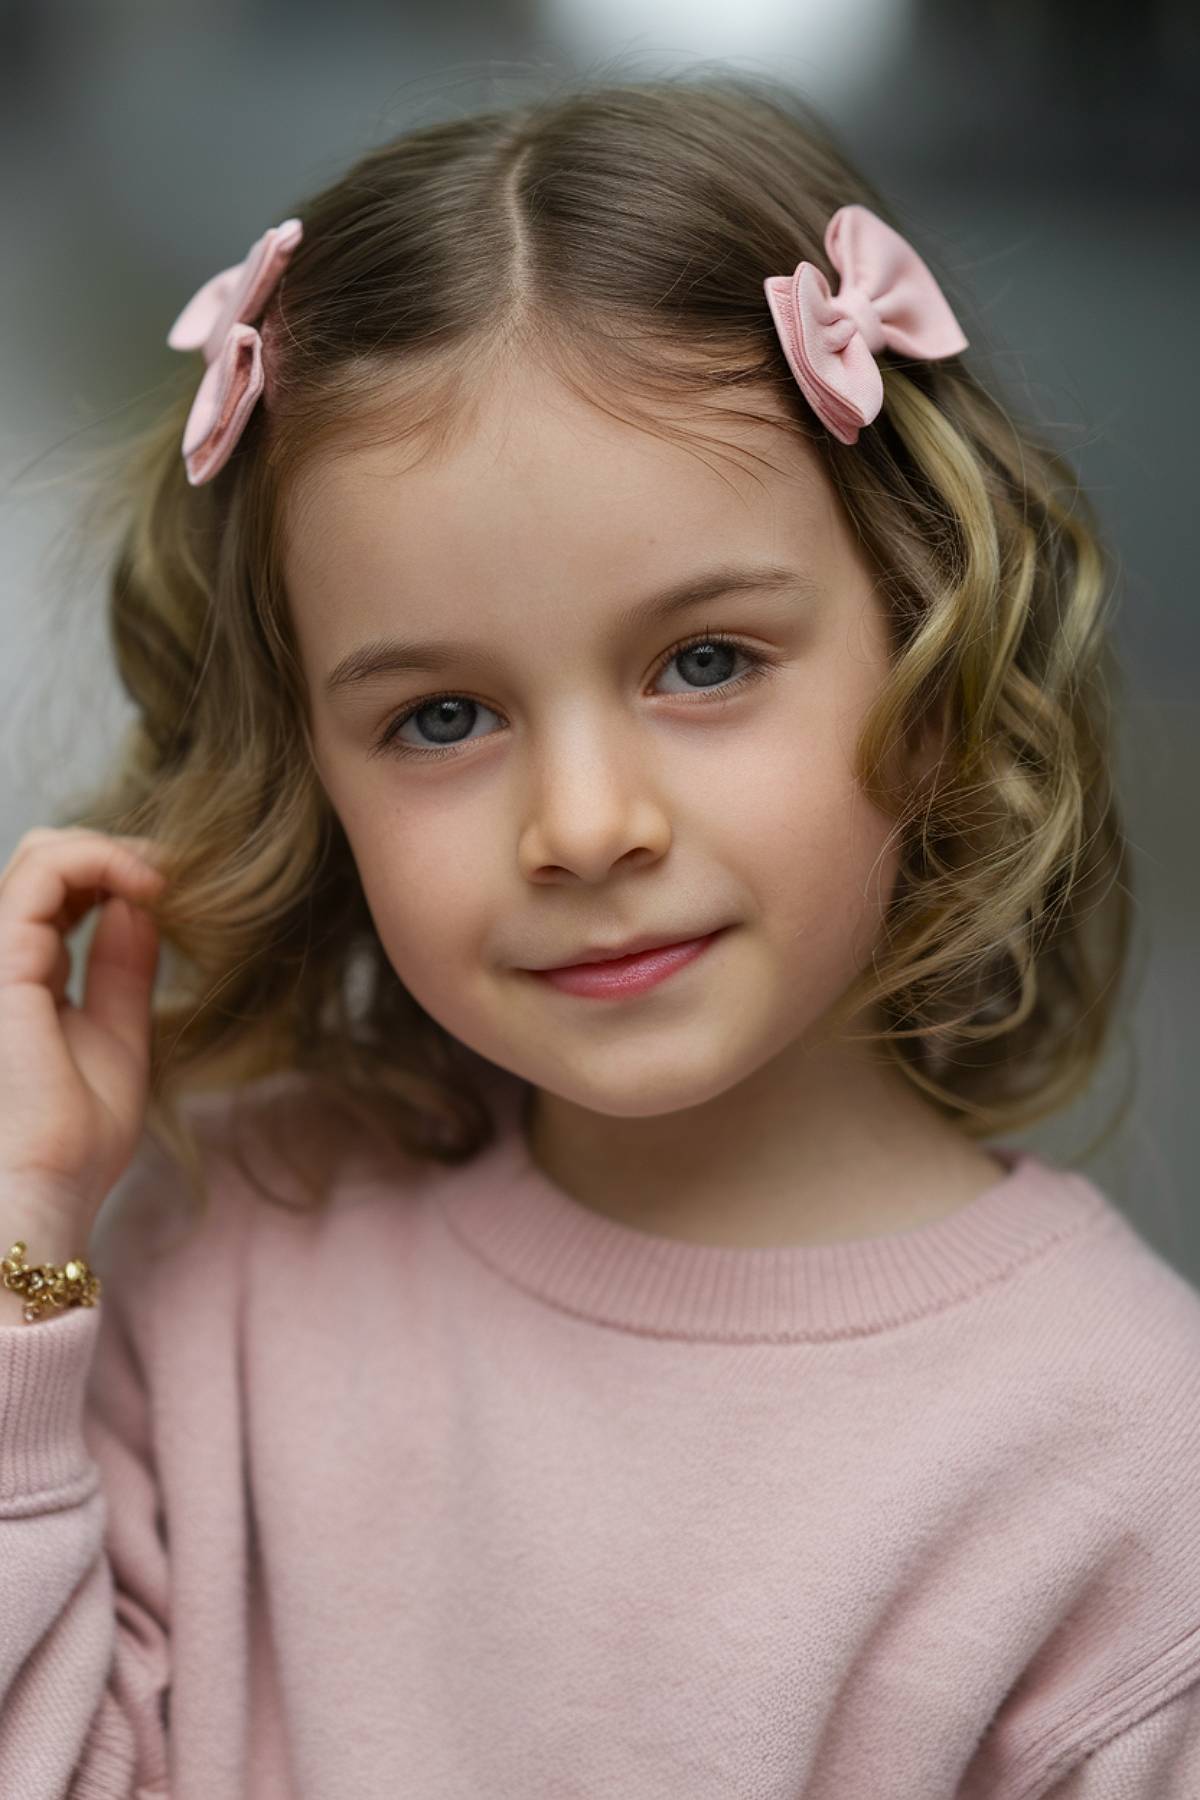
pixel 457 1489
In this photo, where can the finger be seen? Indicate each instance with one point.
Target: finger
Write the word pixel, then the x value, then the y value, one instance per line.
pixel 61 974
pixel 49 888
pixel 148 849
pixel 145 850
pixel 120 977
pixel 71 872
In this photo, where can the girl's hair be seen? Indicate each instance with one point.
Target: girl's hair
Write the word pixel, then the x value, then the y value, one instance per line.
pixel 618 233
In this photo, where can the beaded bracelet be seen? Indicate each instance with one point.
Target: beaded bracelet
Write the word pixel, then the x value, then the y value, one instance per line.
pixel 46 1285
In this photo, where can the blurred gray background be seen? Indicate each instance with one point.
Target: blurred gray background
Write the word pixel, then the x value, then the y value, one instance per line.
pixel 1045 153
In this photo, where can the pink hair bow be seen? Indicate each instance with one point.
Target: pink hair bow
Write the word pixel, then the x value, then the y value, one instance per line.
pixel 887 298
pixel 217 320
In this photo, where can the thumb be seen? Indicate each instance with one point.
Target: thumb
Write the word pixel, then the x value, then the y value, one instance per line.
pixel 121 969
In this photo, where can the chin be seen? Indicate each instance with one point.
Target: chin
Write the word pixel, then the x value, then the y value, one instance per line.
pixel 662 1086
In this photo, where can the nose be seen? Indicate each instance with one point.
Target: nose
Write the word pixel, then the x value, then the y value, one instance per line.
pixel 591 807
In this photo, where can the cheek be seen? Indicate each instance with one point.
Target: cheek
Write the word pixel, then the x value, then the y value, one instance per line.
pixel 821 858
pixel 427 891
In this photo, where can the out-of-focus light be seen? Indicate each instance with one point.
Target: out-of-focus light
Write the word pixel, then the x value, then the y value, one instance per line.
pixel 830 47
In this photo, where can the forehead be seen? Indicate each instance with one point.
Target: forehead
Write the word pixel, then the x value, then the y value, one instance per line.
pixel 546 498
pixel 530 449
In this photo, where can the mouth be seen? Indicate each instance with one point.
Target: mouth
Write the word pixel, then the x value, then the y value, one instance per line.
pixel 623 975
pixel 599 953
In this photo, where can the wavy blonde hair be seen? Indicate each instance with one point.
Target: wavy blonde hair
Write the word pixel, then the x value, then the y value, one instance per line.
pixel 526 231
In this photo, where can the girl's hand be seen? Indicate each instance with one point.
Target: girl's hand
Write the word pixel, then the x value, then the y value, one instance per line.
pixel 74 1080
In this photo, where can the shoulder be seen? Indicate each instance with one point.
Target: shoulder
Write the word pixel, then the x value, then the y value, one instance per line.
pixel 1140 1316
pixel 1113 1451
pixel 1120 1350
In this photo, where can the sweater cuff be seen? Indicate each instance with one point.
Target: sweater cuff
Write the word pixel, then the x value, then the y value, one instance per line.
pixel 44 1370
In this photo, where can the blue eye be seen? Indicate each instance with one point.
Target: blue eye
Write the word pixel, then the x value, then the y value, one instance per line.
pixel 710 652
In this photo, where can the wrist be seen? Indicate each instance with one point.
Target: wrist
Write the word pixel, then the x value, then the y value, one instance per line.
pixel 36 1237
pixel 50 1219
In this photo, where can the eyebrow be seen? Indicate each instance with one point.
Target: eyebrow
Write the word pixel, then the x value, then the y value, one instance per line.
pixel 402 656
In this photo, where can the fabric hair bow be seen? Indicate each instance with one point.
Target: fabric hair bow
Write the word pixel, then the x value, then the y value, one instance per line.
pixel 887 298
pixel 217 320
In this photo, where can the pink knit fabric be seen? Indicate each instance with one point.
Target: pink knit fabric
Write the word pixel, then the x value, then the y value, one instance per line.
pixel 456 1488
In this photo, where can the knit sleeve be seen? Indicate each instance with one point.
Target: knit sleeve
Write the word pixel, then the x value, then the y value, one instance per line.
pixel 85 1647
pixel 1156 1759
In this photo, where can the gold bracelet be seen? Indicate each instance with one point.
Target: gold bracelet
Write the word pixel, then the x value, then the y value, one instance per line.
pixel 46 1285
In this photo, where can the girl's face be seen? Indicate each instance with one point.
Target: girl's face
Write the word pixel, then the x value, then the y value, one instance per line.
pixel 602 775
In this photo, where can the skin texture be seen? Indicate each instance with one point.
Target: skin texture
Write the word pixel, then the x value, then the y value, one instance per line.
pixel 599 792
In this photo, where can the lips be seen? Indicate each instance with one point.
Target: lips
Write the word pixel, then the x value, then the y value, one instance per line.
pixel 635 947
pixel 620 978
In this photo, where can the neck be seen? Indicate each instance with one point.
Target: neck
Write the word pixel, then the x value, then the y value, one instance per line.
pixel 815 1147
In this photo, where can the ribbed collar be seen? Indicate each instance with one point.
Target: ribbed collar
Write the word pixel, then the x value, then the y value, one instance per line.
pixel 506 1211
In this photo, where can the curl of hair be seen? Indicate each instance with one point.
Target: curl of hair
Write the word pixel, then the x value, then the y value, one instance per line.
pixel 453 252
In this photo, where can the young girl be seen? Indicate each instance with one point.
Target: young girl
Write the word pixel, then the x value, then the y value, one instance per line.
pixel 622 775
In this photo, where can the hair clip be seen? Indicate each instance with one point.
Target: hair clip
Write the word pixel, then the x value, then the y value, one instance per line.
pixel 887 299
pixel 217 321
